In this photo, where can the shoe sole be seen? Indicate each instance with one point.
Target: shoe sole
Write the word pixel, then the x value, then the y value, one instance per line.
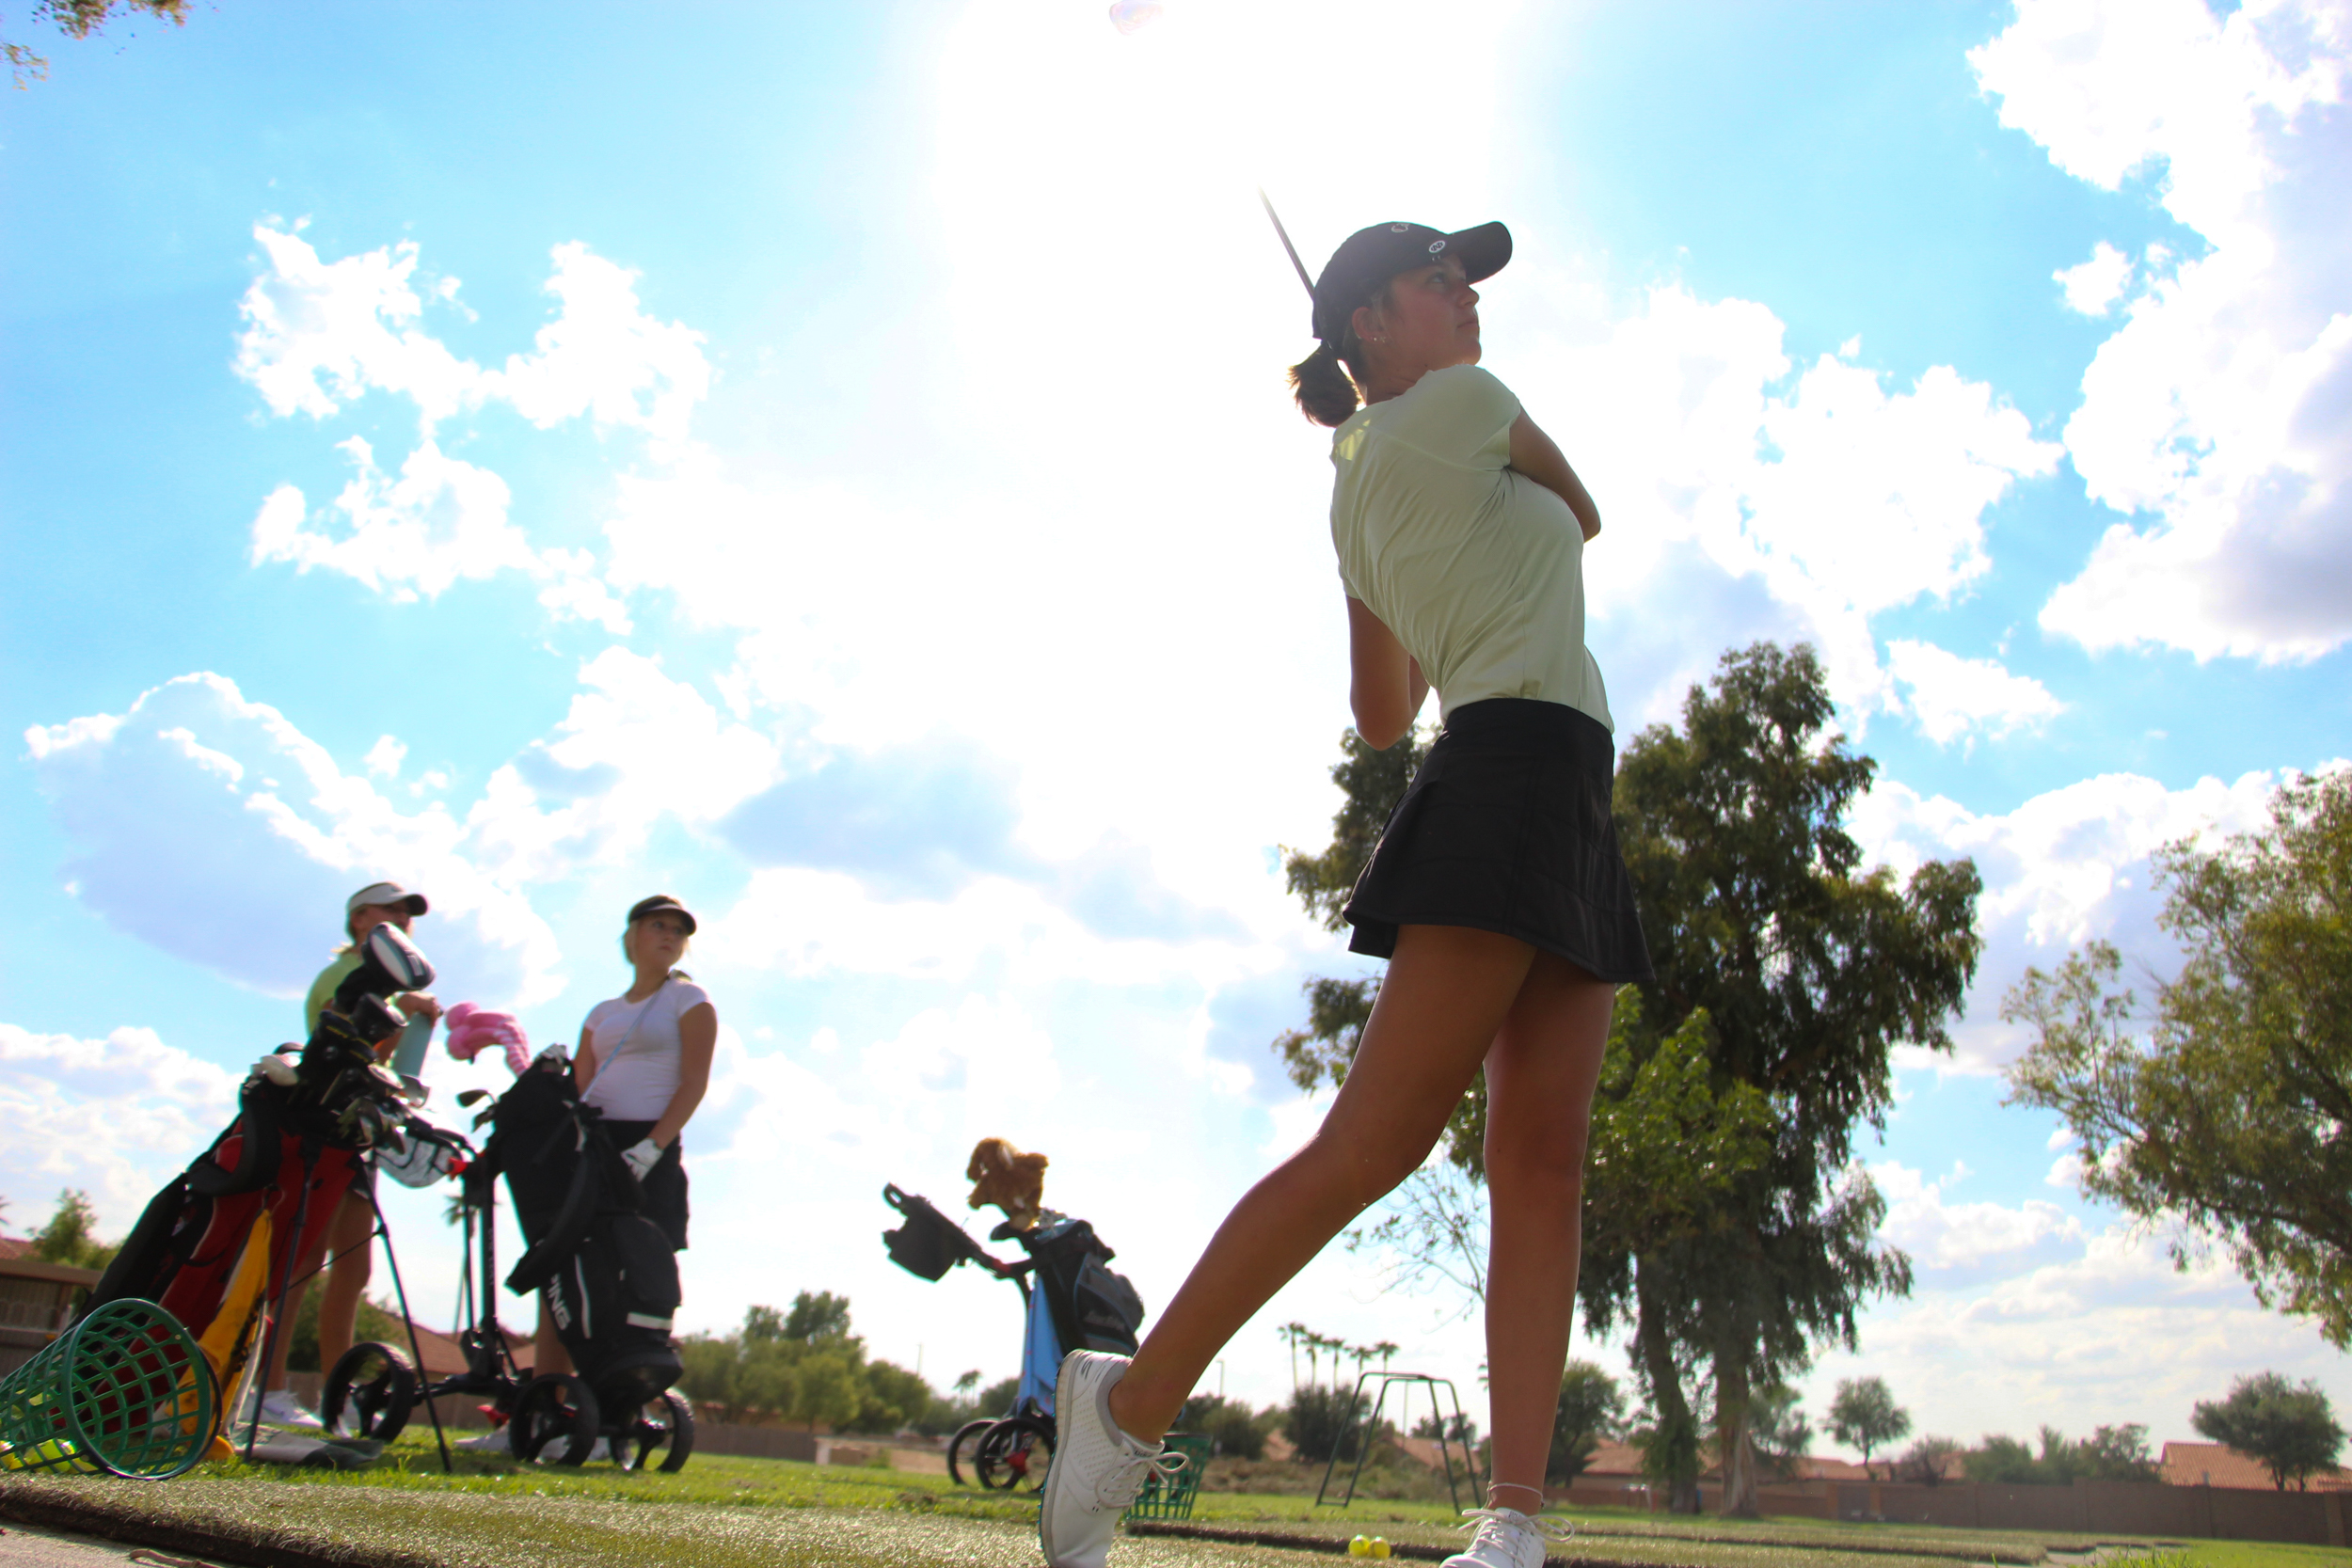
pixel 1046 1504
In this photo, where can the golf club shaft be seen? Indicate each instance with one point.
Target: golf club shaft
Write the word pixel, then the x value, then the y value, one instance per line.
pixel 1283 234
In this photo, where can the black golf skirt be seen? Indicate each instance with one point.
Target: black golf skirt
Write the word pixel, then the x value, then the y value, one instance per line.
pixel 1507 828
pixel 665 1184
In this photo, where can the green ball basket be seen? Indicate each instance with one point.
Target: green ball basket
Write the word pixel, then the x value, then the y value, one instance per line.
pixel 124 1393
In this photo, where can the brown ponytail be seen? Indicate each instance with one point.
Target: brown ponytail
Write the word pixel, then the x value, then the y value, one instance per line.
pixel 1326 392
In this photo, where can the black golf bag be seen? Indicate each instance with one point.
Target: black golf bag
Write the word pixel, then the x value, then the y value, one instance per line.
pixel 1093 1307
pixel 610 1274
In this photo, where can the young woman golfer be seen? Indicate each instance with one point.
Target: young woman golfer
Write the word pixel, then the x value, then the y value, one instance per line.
pixel 1497 892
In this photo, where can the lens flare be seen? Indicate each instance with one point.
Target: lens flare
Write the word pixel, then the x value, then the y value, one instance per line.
pixel 1130 15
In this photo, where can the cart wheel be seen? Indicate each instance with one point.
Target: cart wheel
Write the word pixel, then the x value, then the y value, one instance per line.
pixel 370 1393
pixel 557 1414
pixel 959 1446
pixel 1013 1454
pixel 663 1422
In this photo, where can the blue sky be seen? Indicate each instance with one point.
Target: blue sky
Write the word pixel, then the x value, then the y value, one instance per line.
pixel 831 464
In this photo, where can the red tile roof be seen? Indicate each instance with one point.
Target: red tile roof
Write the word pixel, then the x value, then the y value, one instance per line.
pixel 2213 1465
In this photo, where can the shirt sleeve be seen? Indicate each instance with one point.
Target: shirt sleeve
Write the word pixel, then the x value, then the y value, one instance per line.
pixel 1456 413
pixel 690 996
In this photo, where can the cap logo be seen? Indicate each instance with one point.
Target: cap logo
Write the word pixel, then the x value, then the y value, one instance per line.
pixel 1436 245
pixel 1400 229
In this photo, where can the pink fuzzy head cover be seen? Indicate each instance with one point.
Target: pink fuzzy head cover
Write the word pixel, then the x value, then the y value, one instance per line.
pixel 474 1030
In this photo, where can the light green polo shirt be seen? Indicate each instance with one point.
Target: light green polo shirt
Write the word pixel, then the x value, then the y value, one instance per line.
pixel 1477 569
pixel 323 988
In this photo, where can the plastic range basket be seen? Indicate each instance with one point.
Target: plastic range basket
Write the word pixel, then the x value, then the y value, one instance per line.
pixel 124 1391
pixel 1171 1497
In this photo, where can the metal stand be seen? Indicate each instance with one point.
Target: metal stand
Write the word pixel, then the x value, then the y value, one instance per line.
pixel 1365 1430
pixel 400 1294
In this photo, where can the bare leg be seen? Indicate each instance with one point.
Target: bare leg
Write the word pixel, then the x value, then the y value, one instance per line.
pixel 350 1242
pixel 1448 991
pixel 548 1355
pixel 1540 1077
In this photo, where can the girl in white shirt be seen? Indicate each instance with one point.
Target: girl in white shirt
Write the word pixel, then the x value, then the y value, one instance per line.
pixel 645 1061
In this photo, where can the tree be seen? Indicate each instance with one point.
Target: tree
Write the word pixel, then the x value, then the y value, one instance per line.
pixel 1864 1416
pixel 1782 1436
pixel 79 19
pixel 1811 969
pixel 1591 1409
pixel 2110 1453
pixel 70 1237
pixel 1665 1153
pixel 1232 1429
pixel 2225 1107
pixel 1923 1464
pixel 2289 1428
pixel 817 1315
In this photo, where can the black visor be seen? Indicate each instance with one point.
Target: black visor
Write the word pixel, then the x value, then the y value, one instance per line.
pixel 1367 259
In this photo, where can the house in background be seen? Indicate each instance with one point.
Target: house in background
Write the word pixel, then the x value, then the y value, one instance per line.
pixel 36 1301
pixel 2212 1465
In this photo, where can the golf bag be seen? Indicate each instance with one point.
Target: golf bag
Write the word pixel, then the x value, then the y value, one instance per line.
pixel 1093 1307
pixel 609 1271
pixel 302 1127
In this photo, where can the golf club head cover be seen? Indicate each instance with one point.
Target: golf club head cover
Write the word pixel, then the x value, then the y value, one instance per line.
pixel 474 1029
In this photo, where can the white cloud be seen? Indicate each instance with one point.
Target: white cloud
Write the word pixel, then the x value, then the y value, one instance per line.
pixel 2092 287
pixel 2223 405
pixel 1950 695
pixel 443 519
pixel 323 335
pixel 1843 497
pixel 112 1116
pixel 1974 1236
pixel 2062 867
pixel 197 799
pixel 2067 1342
pixel 636 747
pixel 385 757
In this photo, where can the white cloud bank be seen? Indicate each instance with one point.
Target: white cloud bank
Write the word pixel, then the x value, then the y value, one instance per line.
pixel 2222 407
pixel 323 335
pixel 112 1116
pixel 211 827
pixel 2061 869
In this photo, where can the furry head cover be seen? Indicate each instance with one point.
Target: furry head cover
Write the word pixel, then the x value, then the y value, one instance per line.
pixel 1011 1179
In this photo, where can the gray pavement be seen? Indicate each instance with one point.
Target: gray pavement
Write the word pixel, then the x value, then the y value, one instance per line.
pixel 30 1546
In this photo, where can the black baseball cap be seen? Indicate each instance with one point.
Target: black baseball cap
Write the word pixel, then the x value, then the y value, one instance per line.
pixel 1370 257
pixel 661 903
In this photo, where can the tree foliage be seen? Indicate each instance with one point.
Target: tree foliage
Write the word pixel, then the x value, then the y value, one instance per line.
pixel 70 1237
pixel 2234 1109
pixel 2290 1428
pixel 802 1366
pixel 2110 1453
pixel 79 19
pixel 1809 971
pixel 1591 1411
pixel 1864 1415
pixel 1782 1432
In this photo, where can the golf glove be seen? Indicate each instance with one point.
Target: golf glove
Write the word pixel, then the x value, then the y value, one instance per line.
pixel 641 1157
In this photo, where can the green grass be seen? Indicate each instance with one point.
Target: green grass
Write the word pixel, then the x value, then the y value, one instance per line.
pixel 722 1512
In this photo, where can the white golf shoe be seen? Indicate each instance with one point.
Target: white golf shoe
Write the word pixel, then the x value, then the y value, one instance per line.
pixel 280 1408
pixel 1506 1538
pixel 1097 1468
